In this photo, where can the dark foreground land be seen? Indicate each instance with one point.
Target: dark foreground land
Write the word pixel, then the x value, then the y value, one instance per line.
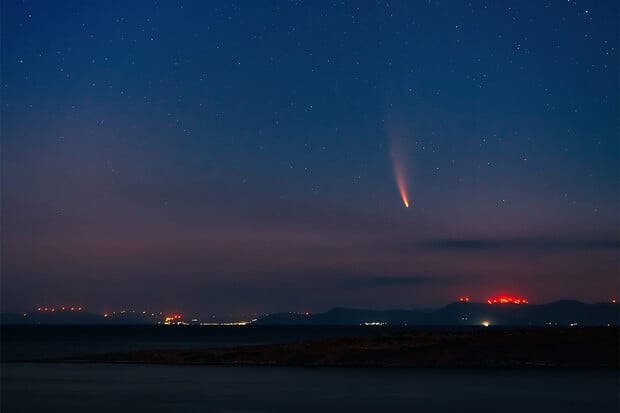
pixel 478 348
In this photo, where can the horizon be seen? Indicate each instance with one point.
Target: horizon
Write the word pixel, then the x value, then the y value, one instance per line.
pixel 186 313
pixel 238 157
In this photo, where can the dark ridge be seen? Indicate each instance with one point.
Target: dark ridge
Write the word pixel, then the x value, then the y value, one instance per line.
pixel 559 313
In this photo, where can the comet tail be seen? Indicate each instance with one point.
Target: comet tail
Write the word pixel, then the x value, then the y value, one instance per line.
pixel 399 166
pixel 400 183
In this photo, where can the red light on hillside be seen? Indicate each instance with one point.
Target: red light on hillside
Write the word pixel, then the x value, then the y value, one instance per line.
pixel 507 299
pixel 464 299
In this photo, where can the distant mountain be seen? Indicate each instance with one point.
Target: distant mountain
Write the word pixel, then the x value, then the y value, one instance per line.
pixel 560 313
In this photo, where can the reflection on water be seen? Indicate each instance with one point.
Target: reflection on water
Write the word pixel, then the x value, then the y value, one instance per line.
pixel 30 387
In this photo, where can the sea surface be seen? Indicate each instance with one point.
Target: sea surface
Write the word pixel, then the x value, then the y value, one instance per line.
pixel 44 387
pixel 29 342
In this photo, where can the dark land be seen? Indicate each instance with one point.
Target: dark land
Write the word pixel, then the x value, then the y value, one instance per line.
pixel 592 347
pixel 558 313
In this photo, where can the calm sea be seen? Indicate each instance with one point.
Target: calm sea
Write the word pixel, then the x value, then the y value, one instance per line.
pixel 45 341
pixel 35 387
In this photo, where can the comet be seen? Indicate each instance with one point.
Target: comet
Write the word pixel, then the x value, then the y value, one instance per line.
pixel 399 166
pixel 399 175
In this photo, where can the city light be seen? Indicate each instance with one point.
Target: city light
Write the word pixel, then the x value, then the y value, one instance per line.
pixel 232 323
pixel 59 308
pixel 173 319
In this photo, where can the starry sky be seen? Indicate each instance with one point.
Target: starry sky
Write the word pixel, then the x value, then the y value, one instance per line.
pixel 234 157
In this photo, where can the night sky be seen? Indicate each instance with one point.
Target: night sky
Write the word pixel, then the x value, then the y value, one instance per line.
pixel 238 157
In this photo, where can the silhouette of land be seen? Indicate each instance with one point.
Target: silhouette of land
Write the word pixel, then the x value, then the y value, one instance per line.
pixel 595 347
pixel 558 313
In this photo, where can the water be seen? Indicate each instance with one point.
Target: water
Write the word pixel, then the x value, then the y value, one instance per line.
pixel 46 341
pixel 36 342
pixel 36 387
pixel 103 388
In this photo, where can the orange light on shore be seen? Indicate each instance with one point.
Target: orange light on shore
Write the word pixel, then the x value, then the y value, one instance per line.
pixel 172 318
pixel 507 299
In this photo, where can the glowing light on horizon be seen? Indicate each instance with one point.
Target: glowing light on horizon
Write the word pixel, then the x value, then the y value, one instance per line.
pixel 60 308
pixel 506 299
pixel 173 319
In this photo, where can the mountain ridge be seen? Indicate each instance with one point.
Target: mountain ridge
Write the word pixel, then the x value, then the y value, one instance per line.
pixel 557 313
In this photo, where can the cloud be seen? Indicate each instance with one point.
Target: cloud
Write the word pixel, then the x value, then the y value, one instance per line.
pixel 516 244
pixel 393 281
